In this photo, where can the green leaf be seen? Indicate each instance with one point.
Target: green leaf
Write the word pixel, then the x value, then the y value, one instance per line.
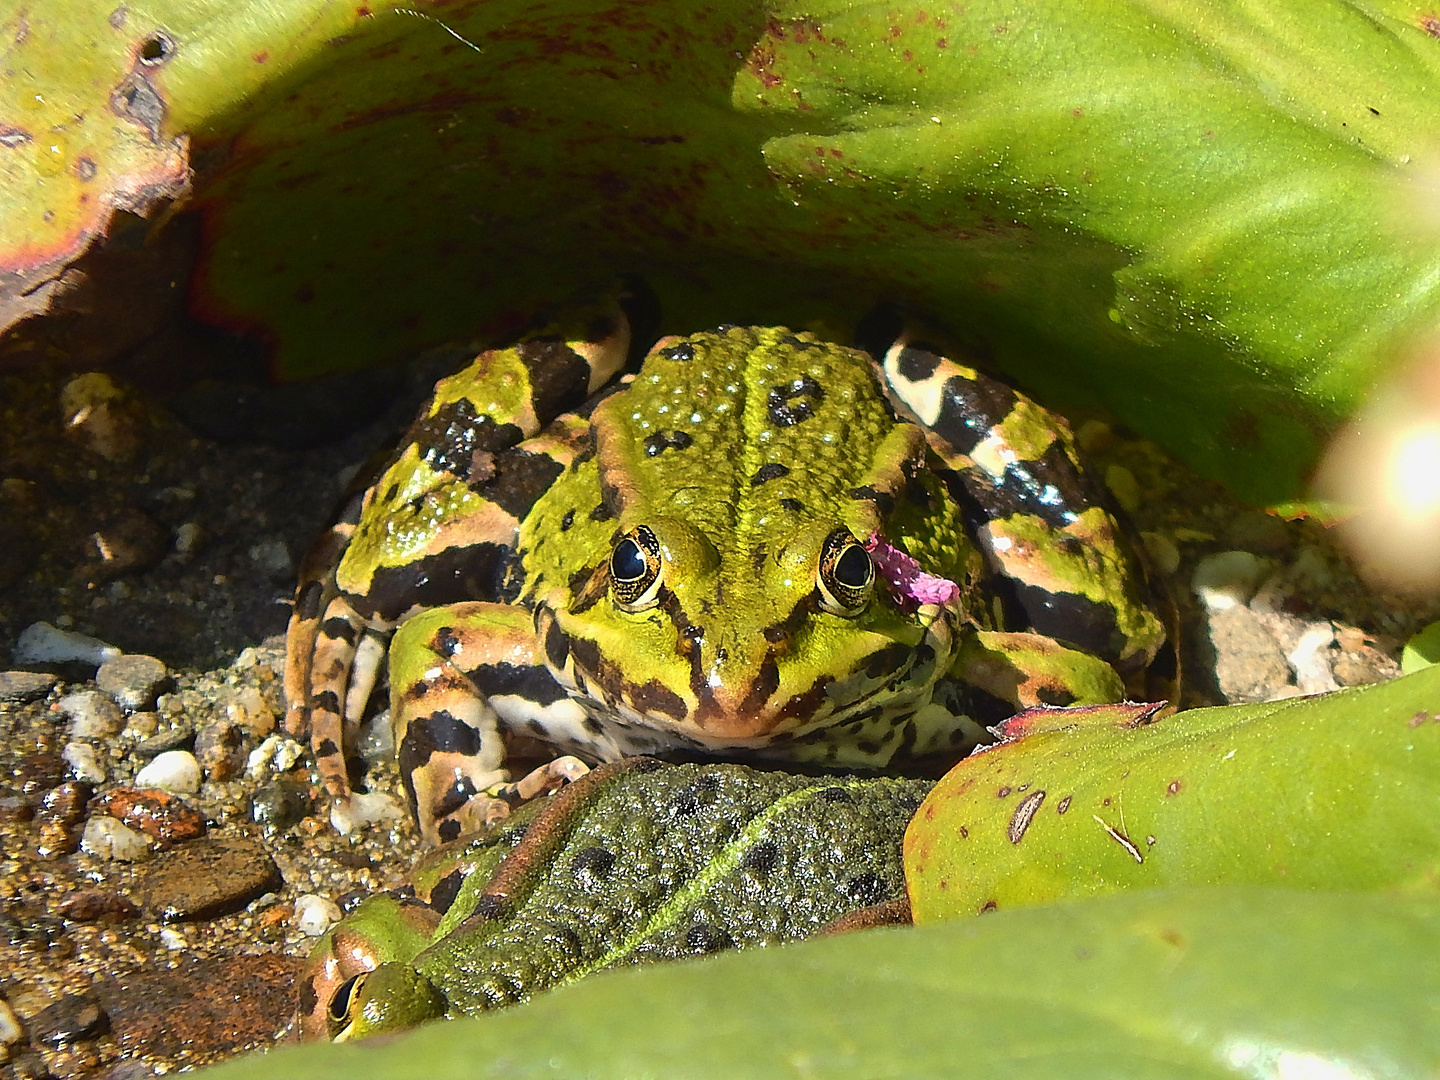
pixel 1422 650
pixel 1330 792
pixel 1189 984
pixel 1210 222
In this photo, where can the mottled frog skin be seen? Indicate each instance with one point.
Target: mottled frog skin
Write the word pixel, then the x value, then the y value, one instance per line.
pixel 676 562
pixel 636 862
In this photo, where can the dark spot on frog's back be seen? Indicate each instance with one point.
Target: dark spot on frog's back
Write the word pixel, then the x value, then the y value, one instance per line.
pixel 449 440
pixel 790 403
pixel 655 697
pixel 866 889
pixel 661 441
pixel 559 378
pixel 766 473
pixel 443 894
pixel 795 506
pixel 681 352
pixel 592 865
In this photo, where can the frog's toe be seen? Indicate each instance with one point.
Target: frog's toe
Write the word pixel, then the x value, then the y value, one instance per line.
pixel 549 777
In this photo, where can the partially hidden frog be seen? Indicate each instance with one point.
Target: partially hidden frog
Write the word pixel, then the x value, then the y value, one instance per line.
pixel 635 862
pixel 759 546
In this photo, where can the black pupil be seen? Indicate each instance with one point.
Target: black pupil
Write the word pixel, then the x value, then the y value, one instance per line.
pixel 340 1003
pixel 852 569
pixel 627 563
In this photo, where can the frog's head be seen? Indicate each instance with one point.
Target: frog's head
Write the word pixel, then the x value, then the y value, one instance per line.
pixel 383 932
pixel 736 599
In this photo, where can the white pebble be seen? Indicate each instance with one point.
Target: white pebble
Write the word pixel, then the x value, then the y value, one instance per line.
pixel 1228 578
pixel 92 715
pixel 108 838
pixel 41 643
pixel 174 770
pixel 173 939
pixel 1311 659
pixel 83 762
pixel 364 808
pixel 277 754
pixel 315 914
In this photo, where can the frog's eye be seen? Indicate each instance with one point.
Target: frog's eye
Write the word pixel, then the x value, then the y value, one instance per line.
pixel 635 570
pixel 847 576
pixel 343 1001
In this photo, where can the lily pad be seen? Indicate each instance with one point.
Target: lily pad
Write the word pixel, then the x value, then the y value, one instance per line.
pixel 1188 984
pixel 1209 223
pixel 1329 792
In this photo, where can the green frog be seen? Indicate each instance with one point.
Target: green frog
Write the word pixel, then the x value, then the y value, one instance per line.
pixel 758 546
pixel 635 862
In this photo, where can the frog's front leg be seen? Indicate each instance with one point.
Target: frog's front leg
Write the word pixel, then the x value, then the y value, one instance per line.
pixel 1060 560
pixel 458 675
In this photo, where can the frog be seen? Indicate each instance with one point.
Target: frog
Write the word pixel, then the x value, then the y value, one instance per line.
pixel 753 545
pixel 636 862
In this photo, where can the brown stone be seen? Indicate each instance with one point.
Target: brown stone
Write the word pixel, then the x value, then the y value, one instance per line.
pixel 206 878
pixel 201 1007
pixel 166 817
pixel 94 905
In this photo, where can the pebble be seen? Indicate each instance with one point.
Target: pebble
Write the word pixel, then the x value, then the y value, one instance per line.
pixel 1228 578
pixel 107 838
pixel 206 878
pixel 189 538
pixel 133 680
pixel 279 805
pixel 70 1019
pixel 38 771
pixel 17 807
pixel 277 754
pixel 375 741
pixel 1250 665
pixel 93 411
pixel 92 714
pixel 84 763
pixel 10 1030
pixel 156 813
pixel 364 808
pixel 56 839
pixel 174 770
pixel 173 940
pixel 222 749
pixel 41 643
pixel 18 687
pixel 66 803
pixel 95 905
pixel 313 914
pixel 1311 658
pixel 272 558
pixel 128 540
pixel 179 737
pixel 197 1007
pixel 251 712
